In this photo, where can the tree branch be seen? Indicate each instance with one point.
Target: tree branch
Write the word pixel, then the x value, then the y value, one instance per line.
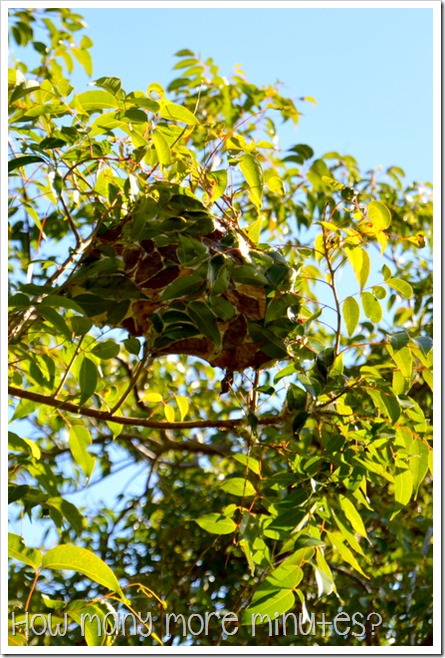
pixel 133 421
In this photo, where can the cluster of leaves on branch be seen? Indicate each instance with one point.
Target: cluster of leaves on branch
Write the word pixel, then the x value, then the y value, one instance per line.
pixel 305 487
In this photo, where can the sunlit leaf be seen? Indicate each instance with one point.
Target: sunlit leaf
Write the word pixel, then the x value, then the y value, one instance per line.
pixel 67 557
pixel 371 307
pixel 177 112
pixel 19 551
pixel 359 259
pixel 90 101
pixel 162 148
pixel 79 440
pixel 251 171
pixel 351 314
pixel 379 214
pixel 402 287
pixel 216 524
pixel 238 487
pixel 183 405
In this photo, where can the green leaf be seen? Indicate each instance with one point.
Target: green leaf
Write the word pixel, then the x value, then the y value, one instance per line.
pixel 79 441
pixel 23 160
pixel 162 148
pixel 205 320
pixel 250 462
pixel 403 487
pixel 399 340
pixel 183 405
pixel 267 604
pixel 183 286
pixel 386 402
pixel 379 215
pixel 92 619
pixel 67 510
pixel 425 343
pixel 251 171
pixel 253 231
pixel 106 350
pixel 19 551
pixel 222 308
pixel 109 83
pixel 88 378
pixel 361 264
pixel 169 413
pixel 185 52
pixel 325 584
pixel 386 272
pixel 351 513
pixel 401 286
pixel 151 396
pixel 218 181
pixel 19 444
pixel 379 292
pixel 286 576
pixel 90 101
pixel 132 345
pixel 351 314
pixel 418 463
pixel 323 576
pixel 345 552
pixel 404 360
pixel 67 557
pixel 244 545
pixel 238 487
pixel 216 524
pixel 177 112
pixel 371 307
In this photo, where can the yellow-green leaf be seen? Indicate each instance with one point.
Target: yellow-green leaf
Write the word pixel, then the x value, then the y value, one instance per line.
pixel 272 602
pixel 345 552
pixel 238 487
pixel 354 518
pixel 79 440
pixel 95 100
pixel 216 524
pixel 177 112
pixel 401 286
pixel 351 314
pixel 169 413
pixel 418 463
pixel 151 396
pixel 403 359
pixel 403 487
pixel 253 231
pixel 379 215
pixel 19 551
pixel 251 171
pixel 360 262
pixel 162 148
pixel 183 405
pixel 251 463
pixel 67 557
pixel 371 307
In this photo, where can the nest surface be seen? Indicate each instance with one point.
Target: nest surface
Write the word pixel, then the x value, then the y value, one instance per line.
pixel 190 284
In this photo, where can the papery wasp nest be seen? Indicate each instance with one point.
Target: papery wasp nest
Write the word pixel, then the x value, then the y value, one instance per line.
pixel 189 283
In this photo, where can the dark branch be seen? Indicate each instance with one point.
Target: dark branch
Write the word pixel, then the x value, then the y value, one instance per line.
pixel 135 422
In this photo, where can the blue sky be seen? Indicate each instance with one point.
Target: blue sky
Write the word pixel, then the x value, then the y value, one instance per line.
pixel 370 70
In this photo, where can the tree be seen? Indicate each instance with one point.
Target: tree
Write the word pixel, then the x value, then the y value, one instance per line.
pixel 178 301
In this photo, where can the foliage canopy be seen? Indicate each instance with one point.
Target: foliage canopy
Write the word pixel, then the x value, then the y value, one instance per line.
pixel 246 329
